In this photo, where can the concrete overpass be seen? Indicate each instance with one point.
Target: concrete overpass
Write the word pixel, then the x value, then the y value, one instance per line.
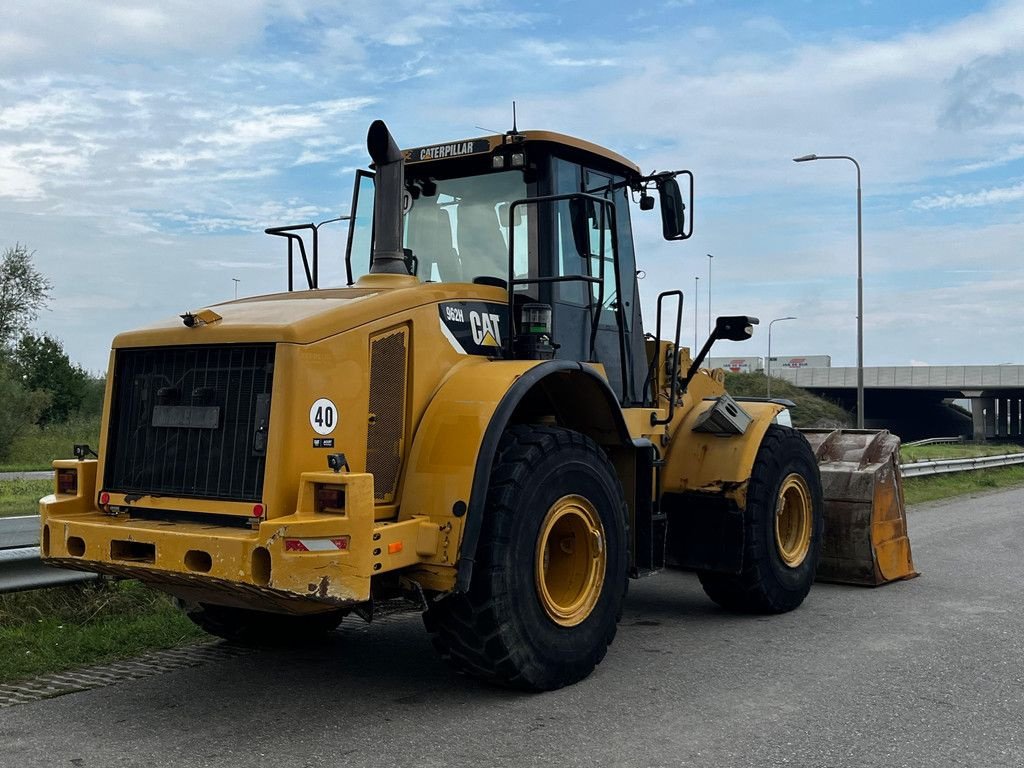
pixel 914 400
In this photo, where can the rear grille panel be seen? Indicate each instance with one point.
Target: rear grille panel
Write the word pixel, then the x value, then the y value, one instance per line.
pixel 384 439
pixel 190 421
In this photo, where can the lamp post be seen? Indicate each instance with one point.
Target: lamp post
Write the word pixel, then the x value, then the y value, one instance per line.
pixel 860 284
pixel 769 360
pixel 236 281
pixel 710 257
pixel 696 316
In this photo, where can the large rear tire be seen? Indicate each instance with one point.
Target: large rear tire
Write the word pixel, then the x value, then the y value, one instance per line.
pixel 783 524
pixel 550 573
pixel 251 627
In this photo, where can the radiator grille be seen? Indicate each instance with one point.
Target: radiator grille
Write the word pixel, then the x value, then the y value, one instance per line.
pixel 190 421
pixel 387 412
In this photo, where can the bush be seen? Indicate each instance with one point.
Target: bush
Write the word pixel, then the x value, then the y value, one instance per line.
pixel 91 406
pixel 42 364
pixel 20 408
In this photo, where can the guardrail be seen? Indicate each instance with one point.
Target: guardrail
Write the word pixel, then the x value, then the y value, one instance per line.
pixel 937 441
pixel 21 568
pixel 942 466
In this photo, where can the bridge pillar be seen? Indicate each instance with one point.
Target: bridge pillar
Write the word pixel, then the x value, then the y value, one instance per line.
pixel 983 413
pixel 1016 411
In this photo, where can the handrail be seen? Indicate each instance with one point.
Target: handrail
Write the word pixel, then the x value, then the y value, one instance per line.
pixel 312 276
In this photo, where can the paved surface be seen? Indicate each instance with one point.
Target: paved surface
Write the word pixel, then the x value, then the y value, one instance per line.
pixel 44 474
pixel 928 672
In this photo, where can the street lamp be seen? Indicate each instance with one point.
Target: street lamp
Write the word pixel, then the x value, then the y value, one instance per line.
pixel 696 317
pixel 769 360
pixel 710 257
pixel 236 281
pixel 860 285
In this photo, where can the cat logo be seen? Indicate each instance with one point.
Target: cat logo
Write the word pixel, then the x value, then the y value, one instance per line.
pixel 486 329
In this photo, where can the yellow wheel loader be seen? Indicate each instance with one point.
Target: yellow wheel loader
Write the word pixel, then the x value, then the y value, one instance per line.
pixel 477 422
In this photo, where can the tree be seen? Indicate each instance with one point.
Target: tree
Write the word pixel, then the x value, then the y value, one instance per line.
pixel 41 363
pixel 19 408
pixel 24 291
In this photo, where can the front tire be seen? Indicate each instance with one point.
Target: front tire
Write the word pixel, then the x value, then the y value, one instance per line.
pixel 550 573
pixel 782 530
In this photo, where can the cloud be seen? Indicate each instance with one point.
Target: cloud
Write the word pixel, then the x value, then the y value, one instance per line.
pixel 1009 155
pixel 977 94
pixel 165 142
pixel 44 33
pixel 985 197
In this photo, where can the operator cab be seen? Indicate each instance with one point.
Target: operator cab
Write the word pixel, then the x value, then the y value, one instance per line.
pixel 545 214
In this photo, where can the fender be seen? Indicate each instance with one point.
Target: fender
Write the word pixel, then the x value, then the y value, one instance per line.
pixel 704 484
pixel 455 443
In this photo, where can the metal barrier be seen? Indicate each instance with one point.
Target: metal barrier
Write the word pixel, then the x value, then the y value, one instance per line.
pixel 936 441
pixel 942 466
pixel 20 566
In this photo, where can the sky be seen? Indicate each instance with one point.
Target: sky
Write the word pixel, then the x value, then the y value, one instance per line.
pixel 144 146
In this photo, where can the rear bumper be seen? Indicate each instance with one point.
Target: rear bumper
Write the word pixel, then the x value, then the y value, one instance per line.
pixel 294 563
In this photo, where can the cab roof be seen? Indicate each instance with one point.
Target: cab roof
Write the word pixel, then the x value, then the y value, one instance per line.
pixel 451 150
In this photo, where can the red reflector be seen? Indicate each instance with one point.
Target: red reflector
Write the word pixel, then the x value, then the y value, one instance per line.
pixel 341 543
pixel 67 481
pixel 104 498
pixel 257 510
pixel 294 545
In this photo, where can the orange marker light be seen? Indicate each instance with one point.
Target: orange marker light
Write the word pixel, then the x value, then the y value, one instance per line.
pixel 394 547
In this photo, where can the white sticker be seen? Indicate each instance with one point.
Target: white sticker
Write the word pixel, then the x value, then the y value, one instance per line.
pixel 323 416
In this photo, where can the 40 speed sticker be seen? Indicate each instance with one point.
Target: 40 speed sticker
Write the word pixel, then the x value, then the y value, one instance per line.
pixel 323 416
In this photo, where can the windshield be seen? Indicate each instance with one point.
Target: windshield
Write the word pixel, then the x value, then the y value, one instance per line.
pixel 460 232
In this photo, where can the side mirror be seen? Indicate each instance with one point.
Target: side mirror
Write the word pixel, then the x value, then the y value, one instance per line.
pixel 673 210
pixel 581 214
pixel 735 328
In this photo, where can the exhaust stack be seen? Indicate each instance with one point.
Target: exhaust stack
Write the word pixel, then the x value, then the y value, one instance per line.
pixel 388 257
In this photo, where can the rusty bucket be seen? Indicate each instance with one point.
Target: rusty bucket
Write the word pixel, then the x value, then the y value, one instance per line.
pixel 865 539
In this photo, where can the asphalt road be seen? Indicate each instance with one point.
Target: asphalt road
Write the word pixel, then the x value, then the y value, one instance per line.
pixel 44 474
pixel 928 672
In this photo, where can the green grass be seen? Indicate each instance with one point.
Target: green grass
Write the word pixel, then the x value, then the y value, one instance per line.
pixel 809 411
pixel 920 489
pixel 911 453
pixel 36 447
pixel 21 497
pixel 55 629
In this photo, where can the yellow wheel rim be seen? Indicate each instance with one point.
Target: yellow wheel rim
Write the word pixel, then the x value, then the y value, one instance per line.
pixel 570 560
pixel 793 520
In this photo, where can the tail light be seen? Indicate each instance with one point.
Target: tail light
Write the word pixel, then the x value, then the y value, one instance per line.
pixel 330 499
pixel 67 481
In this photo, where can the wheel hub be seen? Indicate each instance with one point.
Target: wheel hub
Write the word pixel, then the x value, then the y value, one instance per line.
pixel 793 520
pixel 570 560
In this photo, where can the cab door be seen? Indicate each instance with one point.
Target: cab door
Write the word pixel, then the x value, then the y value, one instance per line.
pixel 576 305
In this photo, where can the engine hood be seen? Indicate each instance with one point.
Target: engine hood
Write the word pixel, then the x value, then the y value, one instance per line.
pixel 302 317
